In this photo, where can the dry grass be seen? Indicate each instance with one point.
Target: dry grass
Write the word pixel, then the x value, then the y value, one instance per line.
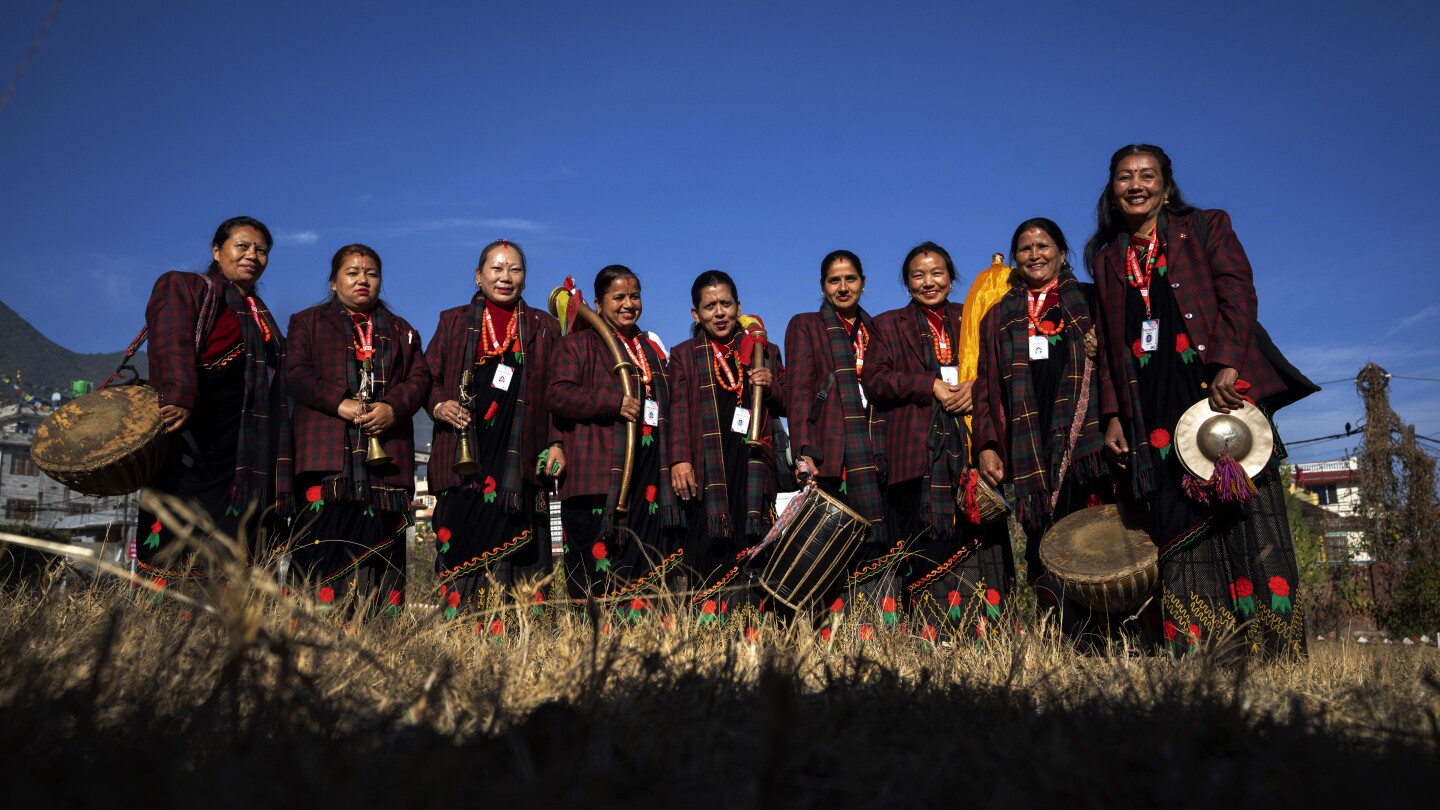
pixel 249 696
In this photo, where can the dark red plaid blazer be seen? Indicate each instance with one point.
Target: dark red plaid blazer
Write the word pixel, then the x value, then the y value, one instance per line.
pixel 1215 291
pixel 899 386
pixel 447 361
pixel 317 374
pixel 585 411
pixel 170 317
pixel 809 351
pixel 686 434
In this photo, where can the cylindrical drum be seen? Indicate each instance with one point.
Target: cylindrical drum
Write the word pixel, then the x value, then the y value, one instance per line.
pixel 110 442
pixel 1101 560
pixel 813 550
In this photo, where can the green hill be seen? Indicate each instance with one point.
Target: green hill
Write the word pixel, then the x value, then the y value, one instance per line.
pixel 45 365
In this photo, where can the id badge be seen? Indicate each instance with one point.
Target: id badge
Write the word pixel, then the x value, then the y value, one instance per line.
pixel 503 375
pixel 740 423
pixel 1149 335
pixel 1039 347
pixel 652 413
pixel 950 375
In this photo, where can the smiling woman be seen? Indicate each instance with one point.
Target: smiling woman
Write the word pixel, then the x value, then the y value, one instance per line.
pixel 216 357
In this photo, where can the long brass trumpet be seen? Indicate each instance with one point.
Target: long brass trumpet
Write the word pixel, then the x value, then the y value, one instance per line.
pixel 465 464
pixel 757 394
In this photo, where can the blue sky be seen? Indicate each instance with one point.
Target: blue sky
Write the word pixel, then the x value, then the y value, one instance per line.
pixel 752 137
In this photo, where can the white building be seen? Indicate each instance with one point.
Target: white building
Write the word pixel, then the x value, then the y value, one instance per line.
pixel 1335 487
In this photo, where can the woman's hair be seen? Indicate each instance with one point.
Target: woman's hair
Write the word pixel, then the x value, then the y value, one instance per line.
pixel 710 278
pixel 607 276
pixel 835 256
pixel 1050 228
pixel 222 235
pixel 338 260
pixel 498 243
pixel 1108 220
pixel 920 250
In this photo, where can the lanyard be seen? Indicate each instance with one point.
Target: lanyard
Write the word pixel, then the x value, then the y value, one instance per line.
pixel 259 321
pixel 364 340
pixel 862 342
pixel 941 345
pixel 637 356
pixel 1139 277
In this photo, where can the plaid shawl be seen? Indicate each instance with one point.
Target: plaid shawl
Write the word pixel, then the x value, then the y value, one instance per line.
pixel 1034 462
pixel 665 494
pixel 945 442
pixel 717 488
pixel 352 481
pixel 862 445
pixel 262 452
pixel 511 481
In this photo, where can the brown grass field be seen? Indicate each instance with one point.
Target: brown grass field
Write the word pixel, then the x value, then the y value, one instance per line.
pixel 240 696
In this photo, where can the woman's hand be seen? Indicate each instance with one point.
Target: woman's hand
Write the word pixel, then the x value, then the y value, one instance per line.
pixel 174 417
pixel 452 413
pixel 1223 395
pixel 350 410
pixel 682 479
pixel 1115 445
pixel 955 399
pixel 630 409
pixel 992 469
pixel 1091 347
pixel 552 461
pixel 761 377
pixel 376 419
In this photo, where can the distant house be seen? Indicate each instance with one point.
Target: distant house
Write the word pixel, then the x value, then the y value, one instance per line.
pixel 29 497
pixel 1334 486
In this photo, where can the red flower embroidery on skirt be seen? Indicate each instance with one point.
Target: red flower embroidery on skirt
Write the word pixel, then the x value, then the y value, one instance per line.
pixel 1279 586
pixel 314 494
pixel 992 596
pixel 637 604
pixel 887 605
pixel 825 634
pixel 160 582
pixel 954 598
pixel 327 595
pixel 1182 343
pixel 497 628
pixel 539 598
pixel 838 606
pixel 752 634
pixel 708 608
pixel 1136 350
pixel 396 597
pixel 598 551
pixel 867 633
pixel 1243 587
pixel 1159 438
pixel 155 527
pixel 453 600
pixel 491 411
pixel 929 633
pixel 489 490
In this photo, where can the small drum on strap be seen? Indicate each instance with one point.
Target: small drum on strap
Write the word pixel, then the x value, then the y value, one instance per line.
pixel 818 536
pixel 1102 559
pixel 110 442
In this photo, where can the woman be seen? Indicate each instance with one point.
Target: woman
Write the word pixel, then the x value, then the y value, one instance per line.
pixel 491 360
pixel 840 439
pixel 216 360
pixel 358 375
pixel 613 554
pixel 728 487
pixel 957 571
pixel 1036 369
pixel 1177 326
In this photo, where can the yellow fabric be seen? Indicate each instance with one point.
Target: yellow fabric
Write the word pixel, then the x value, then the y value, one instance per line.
pixel 986 291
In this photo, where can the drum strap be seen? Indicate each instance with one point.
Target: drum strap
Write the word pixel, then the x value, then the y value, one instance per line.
pixel 1081 408
pixel 202 334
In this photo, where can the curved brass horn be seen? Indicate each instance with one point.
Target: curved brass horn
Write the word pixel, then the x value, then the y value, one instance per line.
pixel 622 369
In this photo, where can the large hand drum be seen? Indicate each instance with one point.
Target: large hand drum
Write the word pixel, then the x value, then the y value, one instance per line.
pixel 1101 559
pixel 111 442
pixel 818 539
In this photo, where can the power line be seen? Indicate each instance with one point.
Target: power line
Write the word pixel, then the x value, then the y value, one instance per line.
pixel 30 54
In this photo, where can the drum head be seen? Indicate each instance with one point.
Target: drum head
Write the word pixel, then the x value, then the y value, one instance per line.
pixel 1096 545
pixel 97 429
